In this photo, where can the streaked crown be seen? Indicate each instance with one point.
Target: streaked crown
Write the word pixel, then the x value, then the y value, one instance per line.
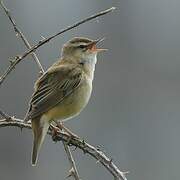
pixel 76 44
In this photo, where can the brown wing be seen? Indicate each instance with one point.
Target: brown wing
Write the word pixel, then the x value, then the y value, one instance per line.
pixel 53 87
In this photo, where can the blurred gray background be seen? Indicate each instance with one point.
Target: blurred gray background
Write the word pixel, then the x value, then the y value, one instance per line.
pixel 134 112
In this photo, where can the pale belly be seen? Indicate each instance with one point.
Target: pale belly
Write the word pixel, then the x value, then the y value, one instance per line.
pixel 72 105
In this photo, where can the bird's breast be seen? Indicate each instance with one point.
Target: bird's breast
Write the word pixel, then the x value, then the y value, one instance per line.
pixel 73 104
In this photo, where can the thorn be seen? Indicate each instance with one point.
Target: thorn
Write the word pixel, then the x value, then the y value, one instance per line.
pixel 98 148
pixel 17 57
pixel 83 142
pixel 9 118
pixel 12 118
pixel 68 140
pixel 11 61
pixel 97 20
pixel 40 73
pixel 126 172
pixel 113 8
pixel 40 41
pixel 71 173
pixel 98 161
pixel 71 170
pixel 43 37
pixel 84 150
pixel 110 161
pixel 75 147
pixel 84 146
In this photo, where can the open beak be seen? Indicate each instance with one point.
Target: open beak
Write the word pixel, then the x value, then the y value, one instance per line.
pixel 93 48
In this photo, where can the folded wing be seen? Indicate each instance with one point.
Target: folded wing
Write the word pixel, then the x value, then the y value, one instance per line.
pixel 52 88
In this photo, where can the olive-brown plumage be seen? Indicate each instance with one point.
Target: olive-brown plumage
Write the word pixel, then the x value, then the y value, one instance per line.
pixel 64 90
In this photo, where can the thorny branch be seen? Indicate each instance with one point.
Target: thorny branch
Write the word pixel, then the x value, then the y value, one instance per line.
pixel 73 171
pixel 18 32
pixel 96 153
pixel 61 136
pixel 19 58
pixel 22 36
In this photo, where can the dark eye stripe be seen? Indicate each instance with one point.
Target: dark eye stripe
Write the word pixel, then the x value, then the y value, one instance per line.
pixel 82 46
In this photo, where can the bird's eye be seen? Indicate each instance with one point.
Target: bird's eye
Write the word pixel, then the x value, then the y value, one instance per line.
pixel 82 46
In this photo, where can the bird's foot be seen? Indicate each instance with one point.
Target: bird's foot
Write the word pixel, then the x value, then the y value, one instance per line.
pixel 54 132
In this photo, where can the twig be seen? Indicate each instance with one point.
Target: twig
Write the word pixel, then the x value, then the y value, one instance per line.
pixel 21 35
pixel 73 171
pixel 44 41
pixel 4 115
pixel 81 144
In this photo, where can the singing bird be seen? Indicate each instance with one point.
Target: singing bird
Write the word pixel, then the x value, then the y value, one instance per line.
pixel 64 90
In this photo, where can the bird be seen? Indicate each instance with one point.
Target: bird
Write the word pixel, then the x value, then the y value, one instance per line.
pixel 64 90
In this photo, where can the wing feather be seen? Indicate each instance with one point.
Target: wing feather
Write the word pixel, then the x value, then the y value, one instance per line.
pixel 53 87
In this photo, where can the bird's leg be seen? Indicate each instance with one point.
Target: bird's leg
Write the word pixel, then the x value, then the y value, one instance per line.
pixel 61 126
pixel 54 131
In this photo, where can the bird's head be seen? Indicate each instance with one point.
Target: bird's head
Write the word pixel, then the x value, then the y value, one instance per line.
pixel 81 48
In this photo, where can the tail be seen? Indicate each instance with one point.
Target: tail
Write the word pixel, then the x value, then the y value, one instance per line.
pixel 40 128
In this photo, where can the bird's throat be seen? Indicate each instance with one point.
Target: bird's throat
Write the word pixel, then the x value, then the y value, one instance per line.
pixel 89 65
